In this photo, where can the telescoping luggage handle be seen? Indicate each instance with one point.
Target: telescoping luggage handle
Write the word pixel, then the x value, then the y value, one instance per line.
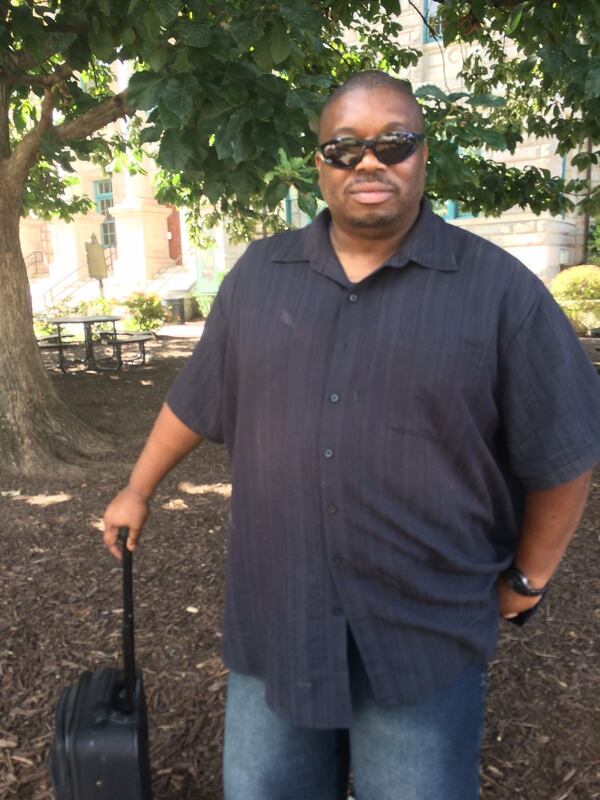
pixel 128 644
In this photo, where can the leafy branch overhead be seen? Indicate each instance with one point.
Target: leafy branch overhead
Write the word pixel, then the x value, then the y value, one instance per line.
pixel 227 94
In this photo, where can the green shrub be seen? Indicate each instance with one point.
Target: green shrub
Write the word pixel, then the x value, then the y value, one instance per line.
pixel 41 327
pixel 147 311
pixel 577 283
pixel 594 243
pixel 577 290
pixel 204 302
pixel 100 306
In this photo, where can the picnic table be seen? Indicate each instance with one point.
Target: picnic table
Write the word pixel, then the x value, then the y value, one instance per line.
pixel 104 347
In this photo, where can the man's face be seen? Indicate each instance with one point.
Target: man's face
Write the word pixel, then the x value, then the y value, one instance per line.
pixel 371 195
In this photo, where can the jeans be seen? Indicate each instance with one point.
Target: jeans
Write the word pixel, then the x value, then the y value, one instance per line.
pixel 427 751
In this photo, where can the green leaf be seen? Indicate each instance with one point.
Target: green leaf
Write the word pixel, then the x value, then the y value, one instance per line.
pixel 101 45
pixel 299 14
pixel 514 20
pixel 178 96
pixel 132 6
pixel 166 10
pixel 173 153
pixel 302 98
pixel 159 58
pixel 151 24
pixel 487 100
pixel 145 89
pixel 243 147
pixel 128 36
pixel 280 42
pixel 450 31
pixel 592 81
pixel 493 139
pixel 308 204
pixel 478 8
pixel 245 32
pixel 262 53
pixel 275 193
pixel 150 134
pixel 193 33
pixel 430 90
pixel 391 6
pixel 182 60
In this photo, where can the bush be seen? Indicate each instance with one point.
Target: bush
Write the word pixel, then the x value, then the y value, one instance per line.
pixel 147 311
pixel 99 305
pixel 577 290
pixel 594 243
pixel 204 302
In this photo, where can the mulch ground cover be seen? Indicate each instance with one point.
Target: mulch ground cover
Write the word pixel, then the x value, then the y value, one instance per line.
pixel 60 598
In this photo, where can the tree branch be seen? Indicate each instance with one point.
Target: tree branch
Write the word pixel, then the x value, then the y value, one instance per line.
pixel 62 73
pixel 432 31
pixel 93 120
pixel 25 153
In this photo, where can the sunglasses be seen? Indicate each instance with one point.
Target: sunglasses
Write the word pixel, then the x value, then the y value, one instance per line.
pixel 390 148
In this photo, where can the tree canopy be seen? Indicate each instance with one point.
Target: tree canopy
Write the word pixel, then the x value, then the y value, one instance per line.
pixel 231 91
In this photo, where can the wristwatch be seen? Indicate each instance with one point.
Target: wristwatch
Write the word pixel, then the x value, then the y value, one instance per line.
pixel 519 583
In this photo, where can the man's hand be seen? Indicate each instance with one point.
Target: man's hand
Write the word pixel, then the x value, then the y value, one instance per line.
pixel 128 509
pixel 512 603
pixel 169 441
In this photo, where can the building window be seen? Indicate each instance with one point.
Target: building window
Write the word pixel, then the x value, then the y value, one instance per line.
pixel 449 209
pixel 432 27
pixel 103 198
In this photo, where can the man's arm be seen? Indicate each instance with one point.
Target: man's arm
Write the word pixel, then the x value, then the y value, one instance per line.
pixel 170 440
pixel 550 520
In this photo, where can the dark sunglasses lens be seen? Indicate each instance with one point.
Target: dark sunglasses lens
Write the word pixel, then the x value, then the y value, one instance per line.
pixel 395 148
pixel 343 153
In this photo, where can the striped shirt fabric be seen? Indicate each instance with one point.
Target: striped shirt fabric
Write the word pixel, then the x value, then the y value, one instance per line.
pixel 382 438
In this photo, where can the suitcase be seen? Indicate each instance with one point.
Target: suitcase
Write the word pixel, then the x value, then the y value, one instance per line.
pixel 100 747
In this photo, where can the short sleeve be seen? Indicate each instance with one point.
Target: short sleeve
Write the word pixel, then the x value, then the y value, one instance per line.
pixel 196 396
pixel 550 399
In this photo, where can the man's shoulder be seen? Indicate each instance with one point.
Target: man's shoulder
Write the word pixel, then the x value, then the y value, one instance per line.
pixel 474 252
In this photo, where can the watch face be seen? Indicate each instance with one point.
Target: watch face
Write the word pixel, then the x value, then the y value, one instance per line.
pixel 520 584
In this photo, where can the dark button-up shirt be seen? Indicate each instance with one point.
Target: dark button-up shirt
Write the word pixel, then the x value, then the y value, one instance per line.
pixel 382 438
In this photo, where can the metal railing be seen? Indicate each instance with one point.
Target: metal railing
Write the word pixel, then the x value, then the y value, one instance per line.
pixel 62 289
pixel 35 264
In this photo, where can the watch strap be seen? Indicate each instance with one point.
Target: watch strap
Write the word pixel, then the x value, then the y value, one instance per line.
pixel 519 583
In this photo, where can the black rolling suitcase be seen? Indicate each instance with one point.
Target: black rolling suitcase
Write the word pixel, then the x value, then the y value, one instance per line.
pixel 100 747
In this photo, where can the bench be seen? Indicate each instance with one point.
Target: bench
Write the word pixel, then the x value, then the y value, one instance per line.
pixel 123 340
pixel 56 345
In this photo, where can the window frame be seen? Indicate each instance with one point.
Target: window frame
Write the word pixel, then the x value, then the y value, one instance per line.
pixel 427 37
pixel 103 200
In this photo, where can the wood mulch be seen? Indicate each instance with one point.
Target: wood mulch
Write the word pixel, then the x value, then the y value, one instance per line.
pixel 60 614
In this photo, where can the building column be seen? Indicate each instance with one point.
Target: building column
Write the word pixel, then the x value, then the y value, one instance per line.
pixel 142 241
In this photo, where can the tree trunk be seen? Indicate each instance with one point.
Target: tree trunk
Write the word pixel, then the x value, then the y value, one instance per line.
pixel 37 430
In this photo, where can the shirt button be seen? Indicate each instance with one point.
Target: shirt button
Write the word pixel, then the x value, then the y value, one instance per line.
pixel 328 452
pixel 334 398
pixel 353 297
pixel 337 611
pixel 337 559
pixel 331 509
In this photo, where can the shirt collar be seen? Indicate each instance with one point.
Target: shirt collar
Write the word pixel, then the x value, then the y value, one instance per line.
pixel 426 244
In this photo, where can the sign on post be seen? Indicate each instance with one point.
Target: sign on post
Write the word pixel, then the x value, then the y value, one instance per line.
pixel 95 259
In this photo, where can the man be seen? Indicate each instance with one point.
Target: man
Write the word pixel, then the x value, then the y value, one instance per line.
pixel 411 424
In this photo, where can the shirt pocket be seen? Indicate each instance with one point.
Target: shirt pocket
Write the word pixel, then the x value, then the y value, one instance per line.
pixel 432 388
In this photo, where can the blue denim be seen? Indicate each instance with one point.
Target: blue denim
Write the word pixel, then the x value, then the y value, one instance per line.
pixel 427 751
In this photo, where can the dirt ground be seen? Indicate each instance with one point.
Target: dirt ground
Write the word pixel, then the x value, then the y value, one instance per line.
pixel 60 614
